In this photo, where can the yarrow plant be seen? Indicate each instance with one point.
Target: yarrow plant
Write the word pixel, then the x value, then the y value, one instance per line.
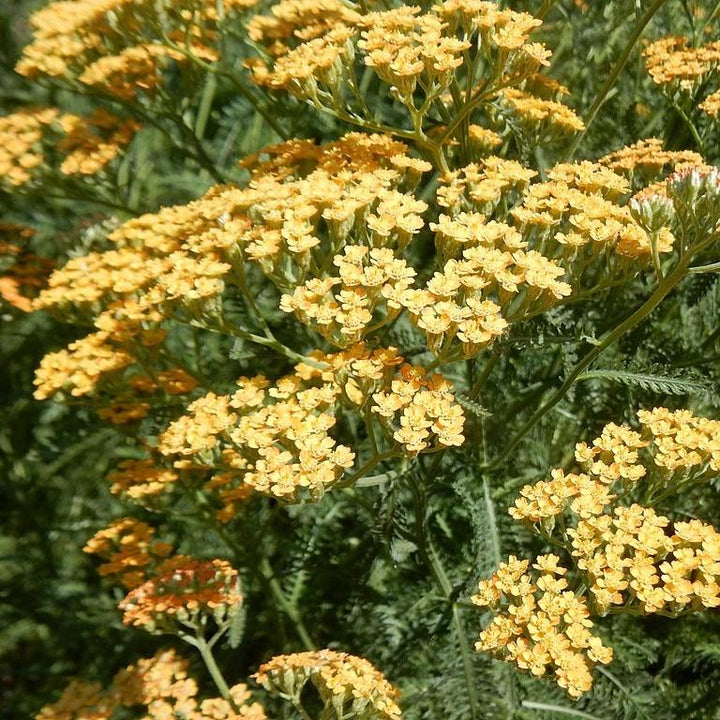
pixel 343 277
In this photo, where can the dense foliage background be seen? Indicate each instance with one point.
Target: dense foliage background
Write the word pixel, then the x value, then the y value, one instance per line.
pixel 351 564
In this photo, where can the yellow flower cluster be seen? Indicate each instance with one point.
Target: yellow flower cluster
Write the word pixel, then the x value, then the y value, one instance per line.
pixel 672 447
pixel 343 308
pixel 88 144
pixel 78 369
pixel 310 48
pixel 136 69
pixel 129 551
pixel 576 217
pixel 672 63
pixel 291 219
pixel 481 187
pixel 539 624
pixel 649 156
pixel 632 561
pixel 274 438
pixel 119 47
pixel 405 48
pixel 99 357
pixel 628 556
pixel 711 104
pixel 160 685
pixel 293 22
pixel 415 408
pixel 21 135
pixel 347 685
pixel 182 589
pixel 538 117
pixel 307 202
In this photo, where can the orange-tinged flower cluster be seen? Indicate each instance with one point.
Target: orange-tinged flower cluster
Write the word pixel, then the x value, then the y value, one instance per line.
pixel 347 685
pixel 141 480
pixel 160 685
pixel 674 64
pixel 416 408
pixel 275 438
pixel 30 138
pixel 80 699
pixel 182 589
pixel 136 69
pixel 22 273
pixel 539 624
pixel 175 381
pixel 649 156
pixel 129 551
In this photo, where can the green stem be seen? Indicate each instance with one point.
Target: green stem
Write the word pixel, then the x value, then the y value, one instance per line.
pixel 482 379
pixel 640 314
pixel 349 480
pixel 690 126
pixel 614 73
pixel 288 608
pixel 217 676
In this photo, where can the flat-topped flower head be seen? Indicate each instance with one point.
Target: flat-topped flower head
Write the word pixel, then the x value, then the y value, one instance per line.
pixel 346 684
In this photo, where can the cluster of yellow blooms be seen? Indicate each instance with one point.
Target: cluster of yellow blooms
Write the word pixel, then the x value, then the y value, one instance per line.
pixel 310 51
pixel 674 64
pixel 120 48
pixel 160 685
pixel 129 551
pixel 274 438
pixel 78 369
pixel 416 408
pixel 100 355
pixel 348 686
pixel 631 557
pixel 632 561
pixel 307 204
pixel 540 117
pixel 672 448
pixel 181 590
pixel 87 144
pixel 539 624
